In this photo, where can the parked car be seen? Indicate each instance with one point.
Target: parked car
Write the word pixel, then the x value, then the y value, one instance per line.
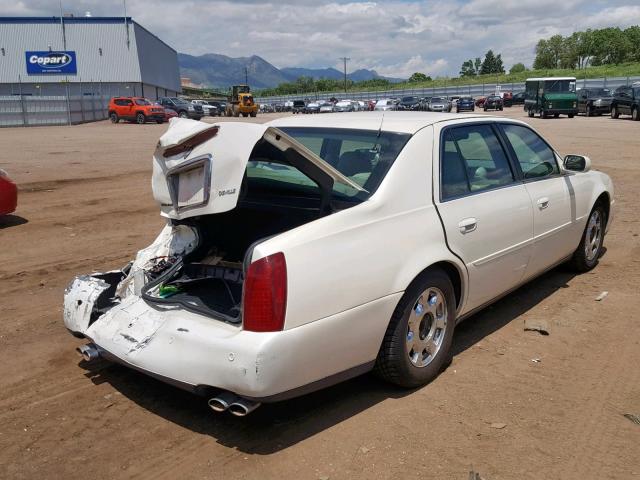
pixel 8 194
pixel 221 106
pixel 518 98
pixel 134 109
pixel 290 281
pixel 326 107
pixel 465 104
pixel 626 101
pixel 298 106
pixel 594 101
pixel 207 108
pixel 439 104
pixel 424 104
pixel 344 106
pixel 493 102
pixel 453 100
pixel 409 103
pixel 507 99
pixel 168 112
pixel 385 104
pixel 312 107
pixel 480 101
pixel 182 107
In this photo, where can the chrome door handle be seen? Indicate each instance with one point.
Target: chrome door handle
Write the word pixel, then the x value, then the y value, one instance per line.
pixel 468 225
pixel 543 203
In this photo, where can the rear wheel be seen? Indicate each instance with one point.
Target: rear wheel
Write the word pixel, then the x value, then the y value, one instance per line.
pixel 543 114
pixel 417 344
pixel 140 118
pixel 556 115
pixel 635 114
pixel 588 252
pixel 183 114
pixel 253 114
pixel 614 112
pixel 570 115
pixel 113 116
pixel 530 113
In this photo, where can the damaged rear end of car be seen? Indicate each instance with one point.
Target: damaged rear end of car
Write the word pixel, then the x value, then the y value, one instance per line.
pixel 202 306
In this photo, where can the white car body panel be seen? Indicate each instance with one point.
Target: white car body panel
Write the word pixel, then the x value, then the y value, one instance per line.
pixel 346 272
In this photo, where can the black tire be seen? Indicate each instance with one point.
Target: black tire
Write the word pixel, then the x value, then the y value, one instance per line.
pixel 635 114
pixel 589 111
pixel 245 115
pixel 543 114
pixel 393 363
pixel 183 114
pixel 571 115
pixel 580 261
pixel 253 114
pixel 140 118
pixel 113 116
pixel 614 112
pixel 530 113
pixel 457 110
pixel 485 109
pixel 159 121
pixel 501 109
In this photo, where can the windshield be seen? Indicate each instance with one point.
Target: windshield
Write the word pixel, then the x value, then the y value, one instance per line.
pixel 560 86
pixel 363 156
pixel 178 100
pixel 142 101
pixel 466 99
pixel 409 99
pixel 436 99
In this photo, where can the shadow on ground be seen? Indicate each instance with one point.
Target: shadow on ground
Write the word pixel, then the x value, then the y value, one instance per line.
pixel 7 221
pixel 277 426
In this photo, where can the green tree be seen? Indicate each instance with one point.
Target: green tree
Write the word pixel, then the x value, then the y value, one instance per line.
pixel 418 77
pixel 468 69
pixel 492 63
pixel 477 64
pixel 518 68
pixel 544 58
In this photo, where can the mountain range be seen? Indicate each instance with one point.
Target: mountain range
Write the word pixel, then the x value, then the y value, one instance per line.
pixel 215 70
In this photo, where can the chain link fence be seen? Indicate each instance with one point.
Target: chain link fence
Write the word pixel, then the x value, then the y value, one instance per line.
pixel 444 91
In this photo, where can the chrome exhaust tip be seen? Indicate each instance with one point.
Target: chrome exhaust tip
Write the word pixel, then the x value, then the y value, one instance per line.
pixel 89 352
pixel 222 401
pixel 243 407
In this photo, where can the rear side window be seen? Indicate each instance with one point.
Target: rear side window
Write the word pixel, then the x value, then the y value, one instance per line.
pixel 473 155
pixel 535 157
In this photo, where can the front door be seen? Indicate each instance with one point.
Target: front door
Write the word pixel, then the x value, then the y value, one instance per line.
pixel 486 213
pixel 552 195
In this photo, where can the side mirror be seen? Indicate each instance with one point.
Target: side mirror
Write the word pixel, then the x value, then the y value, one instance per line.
pixel 577 163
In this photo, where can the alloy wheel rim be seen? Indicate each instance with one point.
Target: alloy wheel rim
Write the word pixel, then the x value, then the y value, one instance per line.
pixel 426 327
pixel 593 237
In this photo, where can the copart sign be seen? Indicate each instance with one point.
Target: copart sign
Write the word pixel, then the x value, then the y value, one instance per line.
pixel 51 63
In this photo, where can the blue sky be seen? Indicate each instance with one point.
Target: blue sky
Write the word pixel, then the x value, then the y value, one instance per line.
pixel 396 37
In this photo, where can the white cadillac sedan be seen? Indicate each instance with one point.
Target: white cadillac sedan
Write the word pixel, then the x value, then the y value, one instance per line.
pixel 311 249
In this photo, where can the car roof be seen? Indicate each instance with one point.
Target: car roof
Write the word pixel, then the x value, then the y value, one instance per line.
pixel 540 79
pixel 402 122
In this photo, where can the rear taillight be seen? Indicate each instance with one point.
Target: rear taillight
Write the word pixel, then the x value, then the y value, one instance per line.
pixel 265 294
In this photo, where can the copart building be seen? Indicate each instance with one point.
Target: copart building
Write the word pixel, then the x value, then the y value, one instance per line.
pixel 80 62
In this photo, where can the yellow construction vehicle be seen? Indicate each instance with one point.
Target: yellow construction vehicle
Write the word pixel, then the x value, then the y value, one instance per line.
pixel 240 102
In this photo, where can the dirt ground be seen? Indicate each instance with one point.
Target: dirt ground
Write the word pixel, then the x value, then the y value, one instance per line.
pixel 85 204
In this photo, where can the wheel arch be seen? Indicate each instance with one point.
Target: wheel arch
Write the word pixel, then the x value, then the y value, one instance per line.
pixel 452 271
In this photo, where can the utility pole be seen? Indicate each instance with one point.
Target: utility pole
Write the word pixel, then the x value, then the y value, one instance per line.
pixel 344 61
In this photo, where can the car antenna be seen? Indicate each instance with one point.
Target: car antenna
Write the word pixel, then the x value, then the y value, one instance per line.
pixel 380 129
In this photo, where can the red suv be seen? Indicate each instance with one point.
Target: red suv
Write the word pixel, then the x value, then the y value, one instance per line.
pixel 134 109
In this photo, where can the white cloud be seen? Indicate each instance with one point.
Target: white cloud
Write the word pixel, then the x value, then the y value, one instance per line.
pixel 395 37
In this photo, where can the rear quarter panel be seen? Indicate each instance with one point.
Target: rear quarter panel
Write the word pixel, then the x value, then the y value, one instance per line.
pixel 369 251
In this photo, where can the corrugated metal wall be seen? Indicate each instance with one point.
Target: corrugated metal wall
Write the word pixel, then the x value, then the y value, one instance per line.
pixel 104 52
pixel 158 62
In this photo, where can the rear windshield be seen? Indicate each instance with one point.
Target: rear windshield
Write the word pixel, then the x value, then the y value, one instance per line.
pixel 436 99
pixel 364 156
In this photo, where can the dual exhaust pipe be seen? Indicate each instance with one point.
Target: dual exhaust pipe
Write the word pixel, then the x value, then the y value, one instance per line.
pixel 238 406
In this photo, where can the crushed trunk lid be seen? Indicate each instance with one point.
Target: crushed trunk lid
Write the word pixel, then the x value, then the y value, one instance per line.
pixel 198 168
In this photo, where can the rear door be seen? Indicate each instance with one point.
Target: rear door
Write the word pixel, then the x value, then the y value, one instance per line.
pixel 486 212
pixel 552 195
